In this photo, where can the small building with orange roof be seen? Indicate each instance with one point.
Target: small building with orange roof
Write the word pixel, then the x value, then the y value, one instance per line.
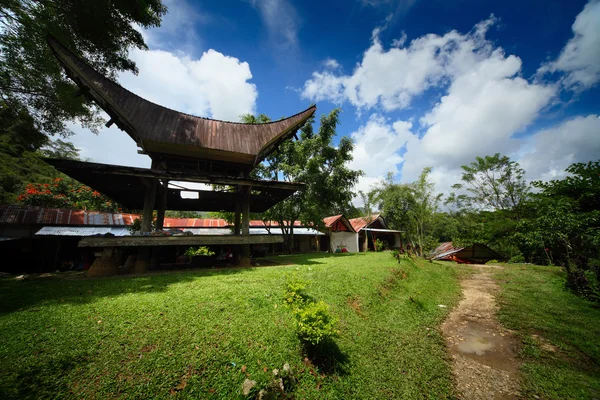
pixel 341 236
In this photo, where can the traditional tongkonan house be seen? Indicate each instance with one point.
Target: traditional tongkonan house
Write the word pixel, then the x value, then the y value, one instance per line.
pixel 182 147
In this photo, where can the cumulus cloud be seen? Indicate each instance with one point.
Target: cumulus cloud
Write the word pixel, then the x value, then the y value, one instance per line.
pixel 376 147
pixel 214 85
pixel 483 103
pixel 579 60
pixel 548 152
pixel 391 78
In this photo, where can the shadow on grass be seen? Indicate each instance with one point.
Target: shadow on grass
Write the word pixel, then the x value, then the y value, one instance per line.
pixel 304 259
pixel 39 381
pixel 327 357
pixel 28 294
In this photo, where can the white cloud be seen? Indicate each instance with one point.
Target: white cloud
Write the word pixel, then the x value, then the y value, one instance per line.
pixel 550 151
pixel 392 78
pixel 376 147
pixel 281 20
pixel 215 84
pixel 331 63
pixel 580 58
pixel 484 102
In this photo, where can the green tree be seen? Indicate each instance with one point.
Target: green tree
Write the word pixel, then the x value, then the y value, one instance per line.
pixel 565 229
pixel 410 207
pixel 314 160
pixel 19 161
pixel 492 182
pixel 102 31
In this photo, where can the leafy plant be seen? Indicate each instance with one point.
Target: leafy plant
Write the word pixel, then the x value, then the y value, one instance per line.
pixel 379 245
pixel 200 251
pixel 136 226
pixel 314 322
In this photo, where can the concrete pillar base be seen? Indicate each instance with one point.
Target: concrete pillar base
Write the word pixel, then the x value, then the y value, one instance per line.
pixel 103 266
pixel 244 262
pixel 129 263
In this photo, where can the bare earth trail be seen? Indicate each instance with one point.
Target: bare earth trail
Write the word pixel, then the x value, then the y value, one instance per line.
pixel 482 351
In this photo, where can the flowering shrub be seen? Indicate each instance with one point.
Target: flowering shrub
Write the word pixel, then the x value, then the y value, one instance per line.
pixel 61 193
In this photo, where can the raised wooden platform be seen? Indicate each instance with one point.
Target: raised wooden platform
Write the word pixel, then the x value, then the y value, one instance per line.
pixel 198 240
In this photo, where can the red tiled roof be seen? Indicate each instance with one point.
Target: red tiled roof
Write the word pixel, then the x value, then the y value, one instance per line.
pixel 362 222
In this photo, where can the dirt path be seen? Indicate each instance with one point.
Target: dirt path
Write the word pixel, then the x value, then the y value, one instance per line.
pixel 483 352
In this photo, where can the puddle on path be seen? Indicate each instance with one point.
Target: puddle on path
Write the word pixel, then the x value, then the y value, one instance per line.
pixel 483 352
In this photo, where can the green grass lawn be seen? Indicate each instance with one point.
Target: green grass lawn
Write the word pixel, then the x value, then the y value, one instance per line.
pixel 200 334
pixel 560 333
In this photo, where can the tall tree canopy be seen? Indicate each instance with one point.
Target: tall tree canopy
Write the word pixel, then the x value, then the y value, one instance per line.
pixel 102 31
pixel 410 207
pixel 314 160
pixel 491 182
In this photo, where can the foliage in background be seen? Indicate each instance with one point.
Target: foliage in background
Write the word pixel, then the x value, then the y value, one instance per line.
pixel 314 160
pixel 565 228
pixel 102 31
pixel 411 208
pixel 187 214
pixel 314 322
pixel 491 183
pixel 66 193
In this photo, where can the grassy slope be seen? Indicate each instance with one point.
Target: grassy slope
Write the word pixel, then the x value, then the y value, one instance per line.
pixel 181 333
pixel 535 302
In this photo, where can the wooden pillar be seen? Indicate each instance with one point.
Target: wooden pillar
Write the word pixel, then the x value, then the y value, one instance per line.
pixel 161 204
pixel 245 209
pixel 143 258
pixel 237 217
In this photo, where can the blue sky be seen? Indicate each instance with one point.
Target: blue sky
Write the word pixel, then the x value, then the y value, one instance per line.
pixel 421 83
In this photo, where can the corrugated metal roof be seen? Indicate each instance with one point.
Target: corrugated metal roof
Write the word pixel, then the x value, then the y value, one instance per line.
pixel 14 214
pixel 81 231
pixel 328 221
pixel 277 231
pixel 360 222
pixel 381 230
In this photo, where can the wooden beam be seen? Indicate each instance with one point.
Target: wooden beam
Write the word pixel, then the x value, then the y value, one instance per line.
pixel 184 176
pixel 197 240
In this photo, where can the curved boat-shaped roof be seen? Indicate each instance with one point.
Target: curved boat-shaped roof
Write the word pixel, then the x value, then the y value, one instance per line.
pixel 164 132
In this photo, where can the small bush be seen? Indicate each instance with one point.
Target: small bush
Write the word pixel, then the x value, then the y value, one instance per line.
pixel 492 262
pixel 518 259
pixel 295 293
pixel 200 251
pixel 314 322
pixel 379 245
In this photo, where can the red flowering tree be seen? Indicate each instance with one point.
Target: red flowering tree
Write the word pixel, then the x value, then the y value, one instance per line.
pixel 61 193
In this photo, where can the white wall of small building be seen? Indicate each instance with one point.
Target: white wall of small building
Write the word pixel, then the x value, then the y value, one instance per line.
pixel 347 239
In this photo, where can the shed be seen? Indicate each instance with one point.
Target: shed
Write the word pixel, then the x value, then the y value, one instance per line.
pixel 477 253
pixel 371 228
pixel 341 234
